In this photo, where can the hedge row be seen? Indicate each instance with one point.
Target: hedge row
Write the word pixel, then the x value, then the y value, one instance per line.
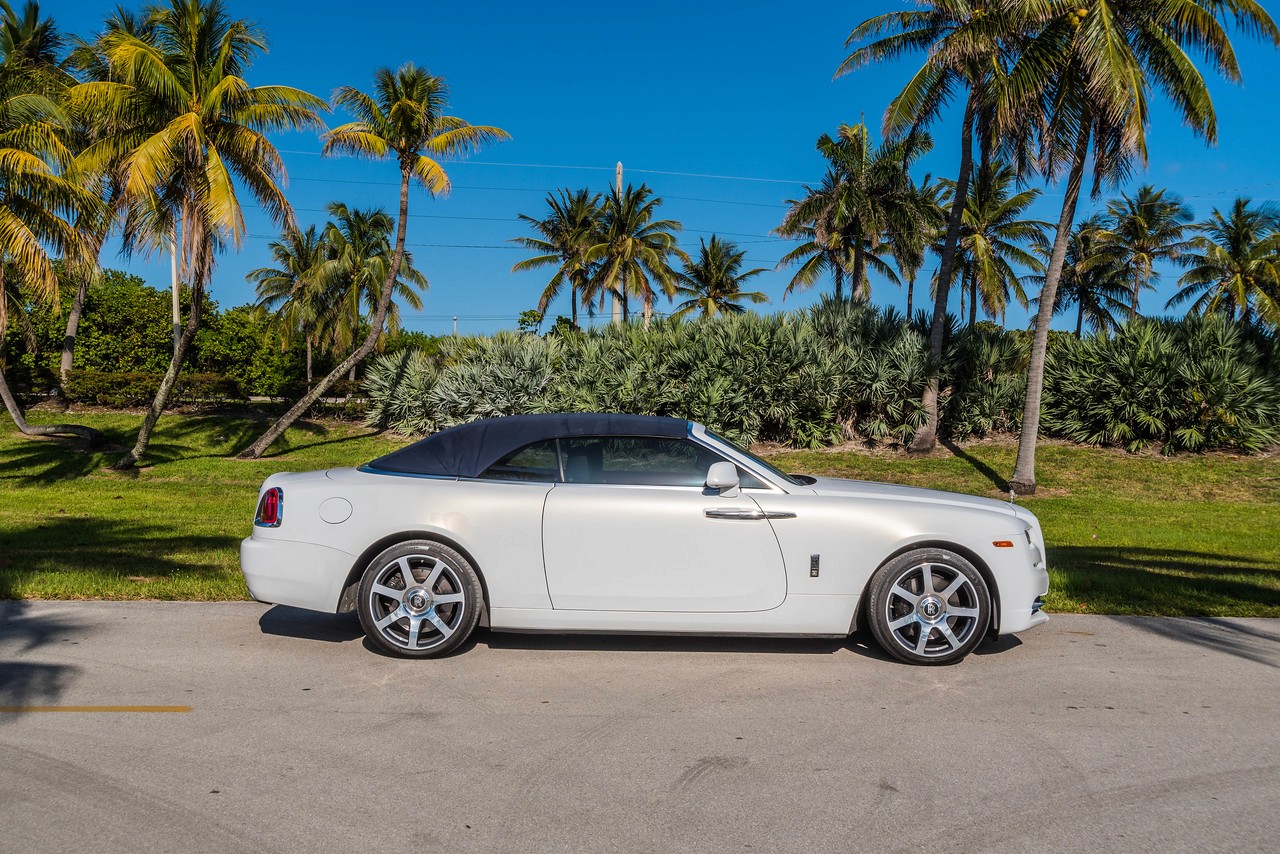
pixel 846 371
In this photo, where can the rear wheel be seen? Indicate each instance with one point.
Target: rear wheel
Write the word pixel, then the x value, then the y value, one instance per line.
pixel 929 606
pixel 419 599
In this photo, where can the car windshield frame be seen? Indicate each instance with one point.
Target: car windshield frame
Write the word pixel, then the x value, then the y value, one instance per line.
pixel 768 467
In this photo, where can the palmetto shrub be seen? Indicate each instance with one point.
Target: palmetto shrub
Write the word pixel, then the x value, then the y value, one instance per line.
pixel 845 370
pixel 1192 384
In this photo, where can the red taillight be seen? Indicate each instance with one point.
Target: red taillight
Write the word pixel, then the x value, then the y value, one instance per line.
pixel 270 508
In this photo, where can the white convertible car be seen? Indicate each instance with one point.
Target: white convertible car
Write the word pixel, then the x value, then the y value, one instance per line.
pixel 623 523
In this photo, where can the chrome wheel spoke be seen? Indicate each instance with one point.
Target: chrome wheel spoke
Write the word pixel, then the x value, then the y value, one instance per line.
pixel 414 624
pixel 949 635
pixel 923 640
pixel 962 612
pixel 926 576
pixel 397 614
pixel 406 572
pixel 450 598
pixel 902 622
pixel 389 592
pixel 953 587
pixel 441 626
pixel 904 593
pixel 434 575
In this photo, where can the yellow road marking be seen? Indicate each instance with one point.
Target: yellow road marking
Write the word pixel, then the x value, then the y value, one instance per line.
pixel 24 709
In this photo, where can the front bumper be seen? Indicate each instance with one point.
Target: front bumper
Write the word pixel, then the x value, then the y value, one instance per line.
pixel 303 575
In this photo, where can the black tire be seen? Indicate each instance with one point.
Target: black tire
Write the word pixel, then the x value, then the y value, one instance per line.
pixel 437 610
pixel 951 607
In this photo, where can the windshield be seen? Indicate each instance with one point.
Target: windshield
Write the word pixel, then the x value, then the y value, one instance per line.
pixel 774 470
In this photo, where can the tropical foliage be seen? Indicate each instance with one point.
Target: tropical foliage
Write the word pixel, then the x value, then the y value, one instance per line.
pixel 713 284
pixel 1234 265
pixel 404 120
pixel 845 371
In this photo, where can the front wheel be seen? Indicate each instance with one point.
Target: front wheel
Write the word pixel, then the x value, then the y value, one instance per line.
pixel 419 599
pixel 929 606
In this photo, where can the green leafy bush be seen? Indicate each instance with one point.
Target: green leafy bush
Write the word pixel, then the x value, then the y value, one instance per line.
pixel 128 389
pixel 1185 385
pixel 850 371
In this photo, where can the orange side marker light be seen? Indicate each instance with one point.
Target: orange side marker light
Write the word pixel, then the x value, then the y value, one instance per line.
pixel 1002 544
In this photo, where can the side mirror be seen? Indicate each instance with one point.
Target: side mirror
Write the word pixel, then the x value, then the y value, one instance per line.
pixel 724 477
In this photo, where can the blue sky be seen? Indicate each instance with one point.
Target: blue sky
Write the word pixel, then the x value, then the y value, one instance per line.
pixel 678 92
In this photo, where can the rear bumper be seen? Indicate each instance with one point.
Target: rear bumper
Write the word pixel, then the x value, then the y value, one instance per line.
pixel 304 575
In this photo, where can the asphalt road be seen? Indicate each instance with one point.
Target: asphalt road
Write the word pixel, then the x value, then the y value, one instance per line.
pixel 1091 733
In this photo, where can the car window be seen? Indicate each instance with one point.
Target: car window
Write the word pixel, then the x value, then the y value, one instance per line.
pixel 640 460
pixel 537 462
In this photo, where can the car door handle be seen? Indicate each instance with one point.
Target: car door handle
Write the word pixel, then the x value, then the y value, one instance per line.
pixel 743 513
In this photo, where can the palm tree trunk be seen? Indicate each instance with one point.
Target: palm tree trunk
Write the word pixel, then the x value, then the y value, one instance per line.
pixel 73 329
pixel 93 437
pixel 267 439
pixel 1023 481
pixel 77 309
pixel 1079 318
pixel 170 379
pixel 911 287
pixel 1137 290
pixel 309 375
pixel 857 289
pixel 964 292
pixel 573 305
pixel 927 436
pixel 839 274
pixel 973 301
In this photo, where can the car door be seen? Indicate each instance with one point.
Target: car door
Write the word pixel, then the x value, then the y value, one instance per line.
pixel 631 527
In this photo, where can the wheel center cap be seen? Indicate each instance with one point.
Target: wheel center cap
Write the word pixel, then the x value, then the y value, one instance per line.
pixel 931 608
pixel 417 600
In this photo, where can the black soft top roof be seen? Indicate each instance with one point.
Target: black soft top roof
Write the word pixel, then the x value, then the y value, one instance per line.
pixel 469 449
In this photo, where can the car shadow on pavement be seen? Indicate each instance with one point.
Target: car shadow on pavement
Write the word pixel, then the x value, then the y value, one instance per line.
pixel 288 622
pixel 25 683
pixel 284 621
pixel 1233 637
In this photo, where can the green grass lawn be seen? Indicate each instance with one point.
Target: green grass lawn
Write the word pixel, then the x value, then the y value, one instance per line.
pixel 1127 534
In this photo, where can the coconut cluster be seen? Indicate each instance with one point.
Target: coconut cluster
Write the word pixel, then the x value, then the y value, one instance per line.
pixel 1077 16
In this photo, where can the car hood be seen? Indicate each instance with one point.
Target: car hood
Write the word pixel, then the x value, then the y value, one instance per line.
pixel 839 487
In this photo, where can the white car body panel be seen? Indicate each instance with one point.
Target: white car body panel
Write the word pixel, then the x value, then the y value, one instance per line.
pixel 608 558
pixel 652 548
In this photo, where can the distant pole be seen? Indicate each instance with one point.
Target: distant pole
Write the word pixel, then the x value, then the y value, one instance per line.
pixel 617 302
pixel 455 326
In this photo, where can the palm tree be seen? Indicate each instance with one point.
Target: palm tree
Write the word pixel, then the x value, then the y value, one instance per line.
pixel 908 237
pixel 1234 264
pixel 291 289
pixel 404 118
pixel 967 46
pixel 713 283
pixel 90 61
pixel 635 250
pixel 1143 229
pixel 186 126
pixel 1092 280
pixel 1087 71
pixel 864 190
pixel 569 230
pixel 358 257
pixel 994 239
pixel 39 200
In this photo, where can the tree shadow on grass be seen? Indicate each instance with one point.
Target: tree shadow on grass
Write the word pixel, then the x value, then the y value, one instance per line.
pixel 1168 582
pixel 303 446
pixel 111 548
pixel 43 460
pixel 24 628
pixel 979 466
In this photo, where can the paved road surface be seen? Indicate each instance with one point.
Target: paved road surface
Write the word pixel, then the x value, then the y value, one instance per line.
pixel 1090 734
